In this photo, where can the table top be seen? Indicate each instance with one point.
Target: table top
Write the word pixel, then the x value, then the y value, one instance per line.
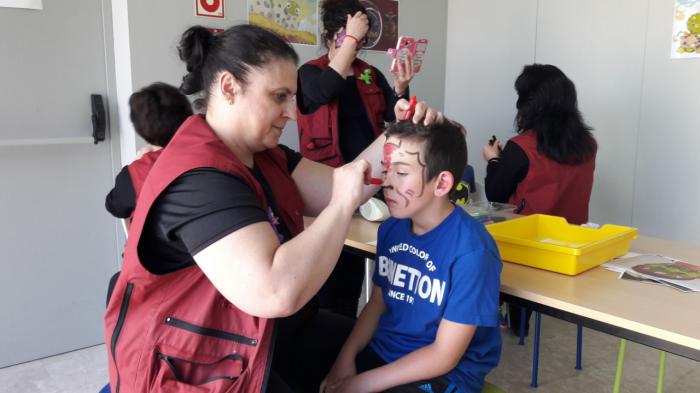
pixel 653 310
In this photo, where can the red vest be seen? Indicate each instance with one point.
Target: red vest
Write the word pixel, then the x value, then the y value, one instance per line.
pixel 553 188
pixel 166 332
pixel 138 170
pixel 318 131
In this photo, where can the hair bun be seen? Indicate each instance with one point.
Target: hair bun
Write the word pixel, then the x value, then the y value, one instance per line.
pixel 193 50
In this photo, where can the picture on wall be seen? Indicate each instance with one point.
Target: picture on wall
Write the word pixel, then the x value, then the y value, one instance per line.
pixel 295 20
pixel 686 30
pixel 384 24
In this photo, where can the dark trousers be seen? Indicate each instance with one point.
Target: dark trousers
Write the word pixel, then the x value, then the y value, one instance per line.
pixel 342 290
pixel 515 320
pixel 368 359
pixel 305 352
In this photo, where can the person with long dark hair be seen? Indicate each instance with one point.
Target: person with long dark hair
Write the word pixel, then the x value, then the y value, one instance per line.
pixel 219 272
pixel 548 167
pixel 343 104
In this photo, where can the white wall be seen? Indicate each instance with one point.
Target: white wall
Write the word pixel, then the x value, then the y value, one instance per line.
pixel 667 182
pixel 637 99
pixel 155 27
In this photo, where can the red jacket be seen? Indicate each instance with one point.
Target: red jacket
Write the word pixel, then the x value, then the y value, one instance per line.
pixel 167 332
pixel 318 131
pixel 553 188
pixel 138 170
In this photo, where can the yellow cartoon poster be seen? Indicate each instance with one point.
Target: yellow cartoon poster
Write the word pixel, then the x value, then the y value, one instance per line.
pixel 294 20
pixel 686 30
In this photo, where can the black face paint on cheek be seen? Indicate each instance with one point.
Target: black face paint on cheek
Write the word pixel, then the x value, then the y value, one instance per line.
pixel 405 199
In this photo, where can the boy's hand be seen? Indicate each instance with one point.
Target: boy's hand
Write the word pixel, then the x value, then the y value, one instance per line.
pixel 341 370
pixel 422 112
pixel 352 384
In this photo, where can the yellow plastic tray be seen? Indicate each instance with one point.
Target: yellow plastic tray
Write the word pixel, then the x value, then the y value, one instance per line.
pixel 550 243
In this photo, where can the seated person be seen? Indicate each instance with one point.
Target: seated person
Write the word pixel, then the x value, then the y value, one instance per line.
pixel 432 321
pixel 157 111
pixel 548 167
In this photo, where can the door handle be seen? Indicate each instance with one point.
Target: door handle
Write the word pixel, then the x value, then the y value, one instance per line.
pixel 99 118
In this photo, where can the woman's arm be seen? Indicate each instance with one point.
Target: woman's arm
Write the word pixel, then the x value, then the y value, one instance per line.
pixel 315 180
pixel 253 271
pixel 431 361
pixel 504 173
pixel 356 26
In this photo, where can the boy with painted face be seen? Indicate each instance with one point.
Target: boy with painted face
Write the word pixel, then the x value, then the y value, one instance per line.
pixel 431 324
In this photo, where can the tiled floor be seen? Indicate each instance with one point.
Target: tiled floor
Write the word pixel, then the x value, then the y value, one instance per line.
pixel 85 371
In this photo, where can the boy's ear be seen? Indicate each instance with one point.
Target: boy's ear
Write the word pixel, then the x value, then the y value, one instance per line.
pixel 444 183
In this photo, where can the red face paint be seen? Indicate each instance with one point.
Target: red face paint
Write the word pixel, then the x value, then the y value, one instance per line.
pixel 388 151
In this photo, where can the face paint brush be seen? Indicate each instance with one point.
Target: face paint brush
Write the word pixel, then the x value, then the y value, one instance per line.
pixel 411 108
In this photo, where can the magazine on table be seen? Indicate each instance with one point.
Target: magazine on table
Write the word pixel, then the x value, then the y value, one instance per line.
pixel 657 268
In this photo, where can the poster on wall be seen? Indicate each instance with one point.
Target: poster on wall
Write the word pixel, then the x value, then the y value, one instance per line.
pixel 209 8
pixel 295 20
pixel 30 4
pixel 384 24
pixel 686 30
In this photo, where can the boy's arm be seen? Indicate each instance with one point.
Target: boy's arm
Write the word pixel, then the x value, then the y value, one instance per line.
pixel 431 361
pixel 365 326
pixel 362 332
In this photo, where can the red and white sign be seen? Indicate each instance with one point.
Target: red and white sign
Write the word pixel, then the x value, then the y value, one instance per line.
pixel 210 8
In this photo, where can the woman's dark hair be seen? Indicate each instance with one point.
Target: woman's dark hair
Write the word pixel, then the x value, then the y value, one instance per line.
pixel 157 111
pixel 547 103
pixel 236 50
pixel 444 146
pixel 334 15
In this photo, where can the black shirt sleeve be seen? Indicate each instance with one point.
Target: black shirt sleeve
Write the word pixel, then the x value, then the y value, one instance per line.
pixel 390 96
pixel 504 174
pixel 121 200
pixel 293 158
pixel 318 87
pixel 198 208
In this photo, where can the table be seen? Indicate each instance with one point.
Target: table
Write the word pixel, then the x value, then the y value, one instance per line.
pixel 652 315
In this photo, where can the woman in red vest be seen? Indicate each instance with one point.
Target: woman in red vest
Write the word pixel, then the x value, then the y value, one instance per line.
pixel 342 105
pixel 548 167
pixel 219 271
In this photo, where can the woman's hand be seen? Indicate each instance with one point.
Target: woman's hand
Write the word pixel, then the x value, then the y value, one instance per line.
pixel 348 184
pixel 357 26
pixel 492 150
pixel 422 112
pixel 403 77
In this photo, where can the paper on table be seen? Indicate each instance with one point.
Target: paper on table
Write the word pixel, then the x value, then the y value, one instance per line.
pixel 668 271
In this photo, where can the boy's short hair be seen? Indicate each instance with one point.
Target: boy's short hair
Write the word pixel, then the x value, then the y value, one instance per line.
pixel 157 111
pixel 444 145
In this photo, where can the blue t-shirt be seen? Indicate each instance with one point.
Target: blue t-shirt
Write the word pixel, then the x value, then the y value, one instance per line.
pixel 452 272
